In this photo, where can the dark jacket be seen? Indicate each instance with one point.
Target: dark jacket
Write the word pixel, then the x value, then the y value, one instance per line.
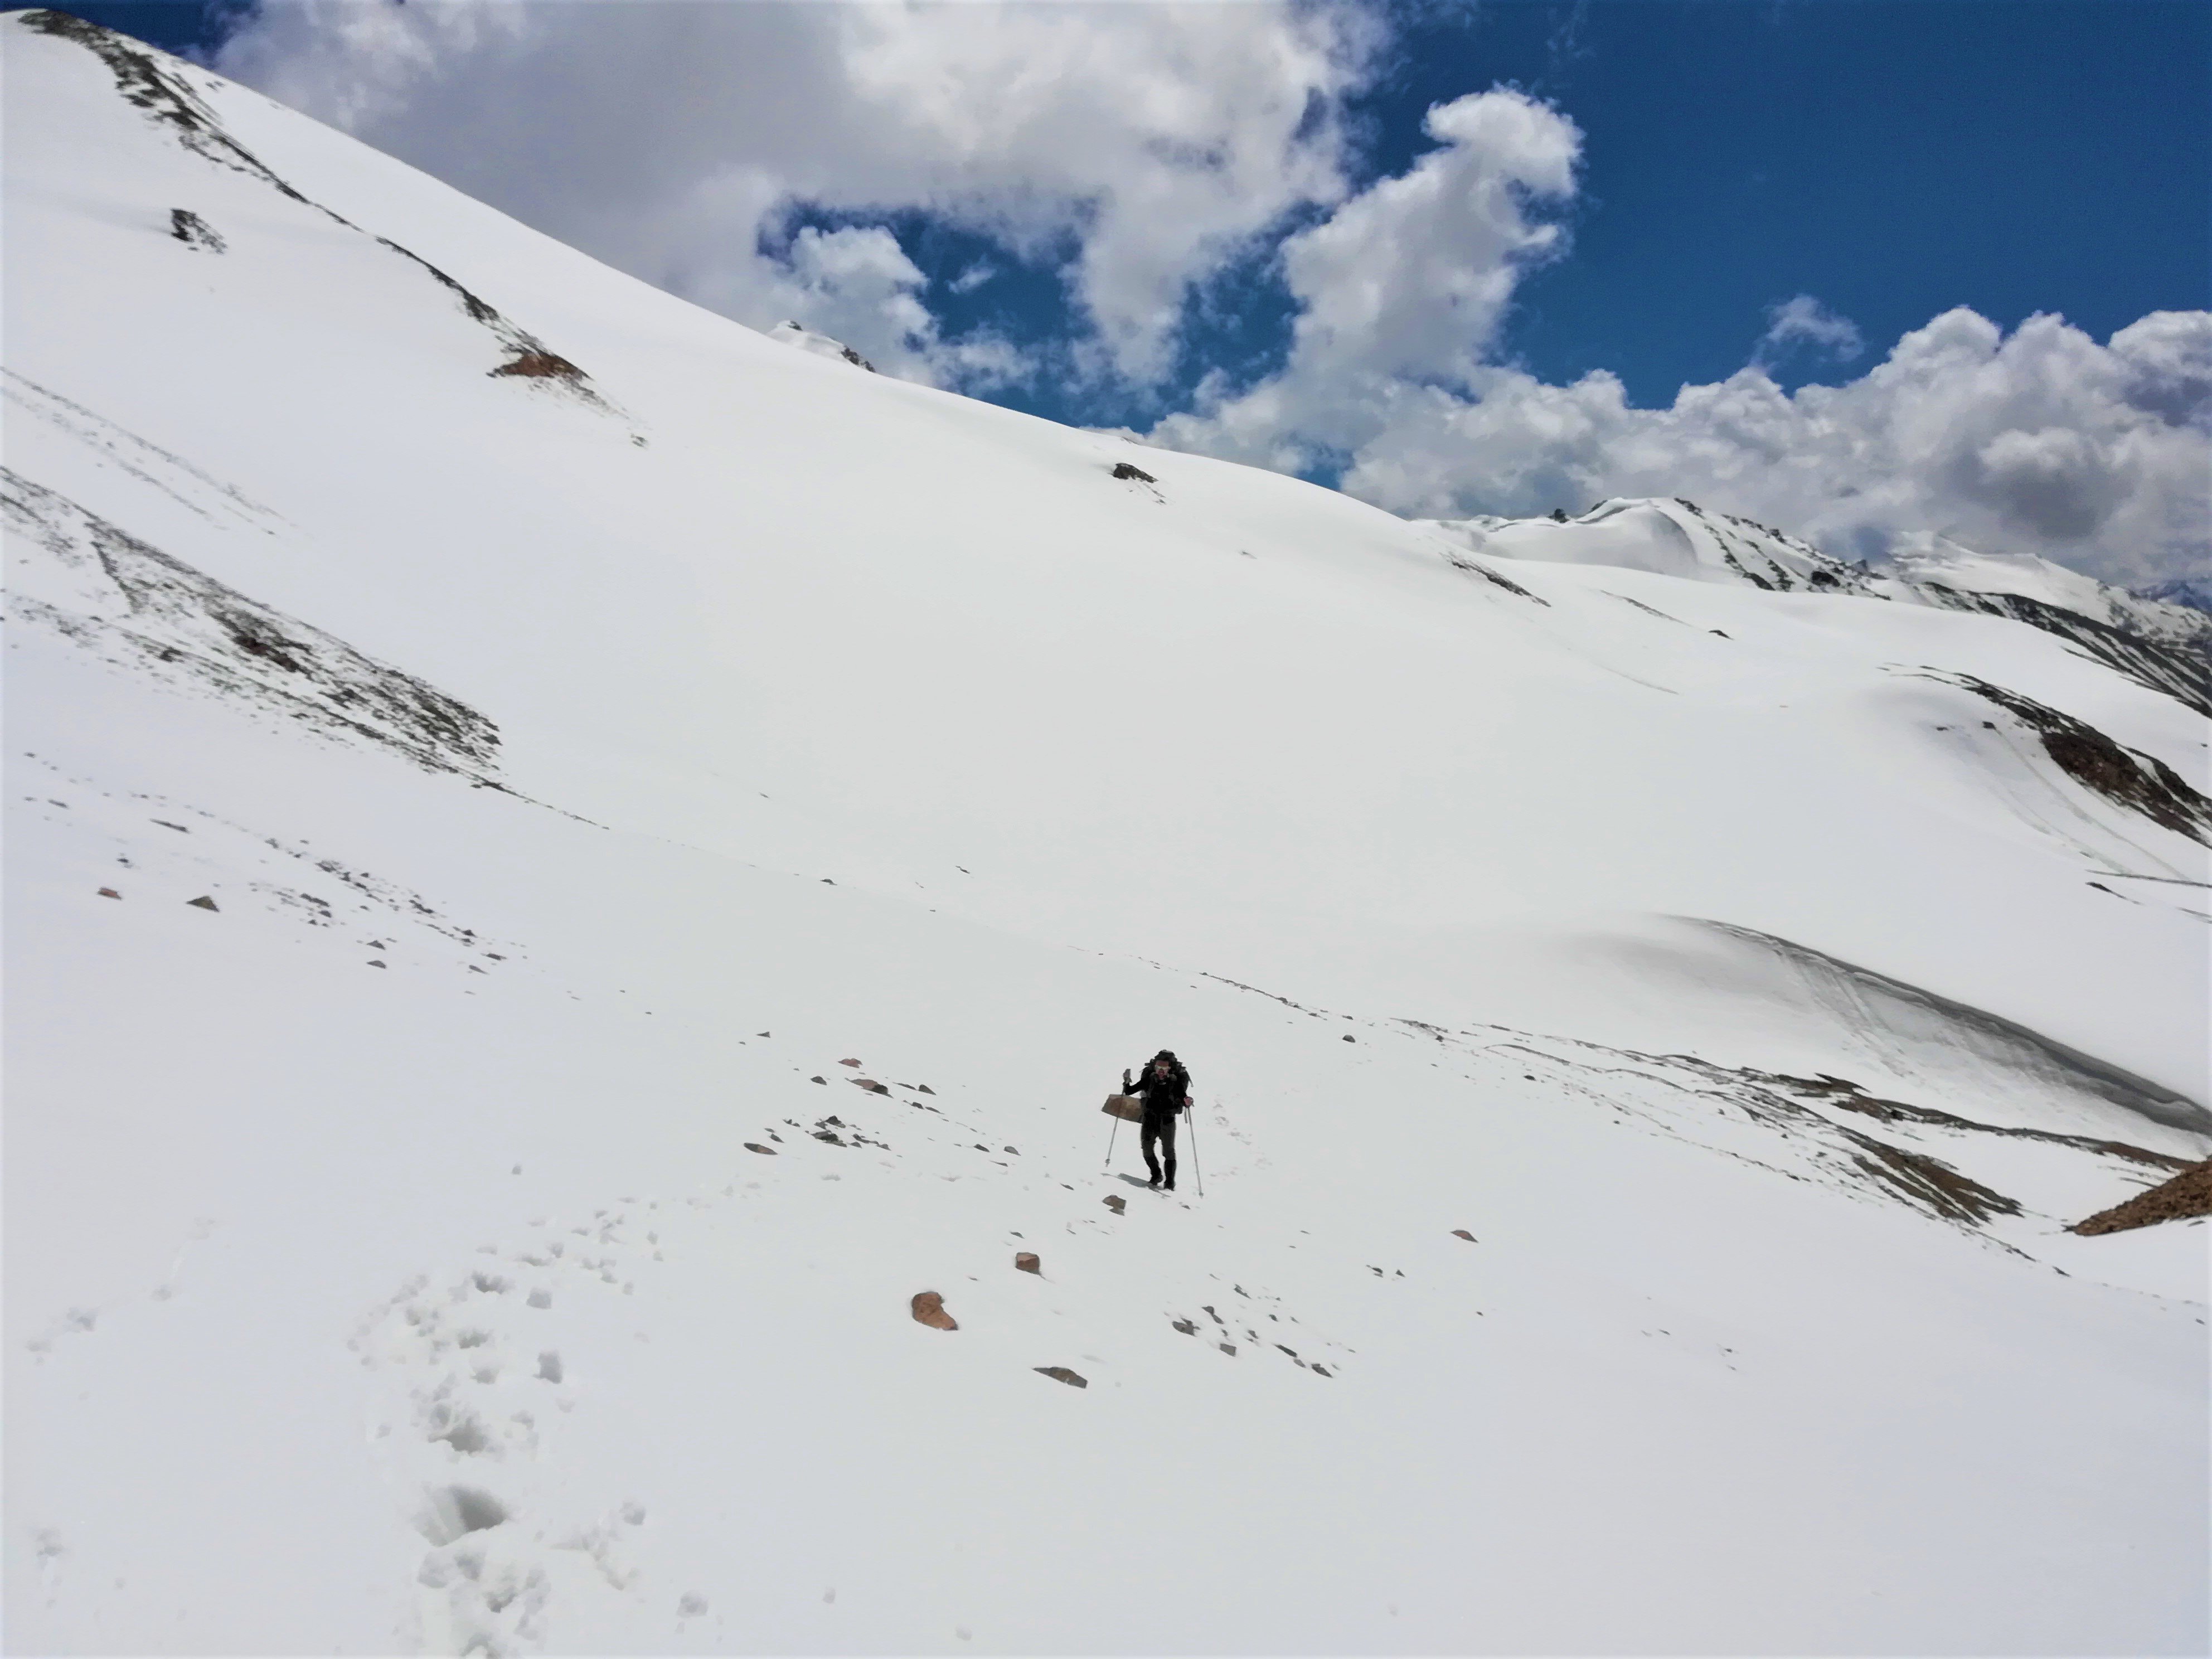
pixel 1163 1096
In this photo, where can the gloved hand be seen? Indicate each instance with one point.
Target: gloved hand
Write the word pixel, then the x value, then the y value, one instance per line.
pixel 1125 1079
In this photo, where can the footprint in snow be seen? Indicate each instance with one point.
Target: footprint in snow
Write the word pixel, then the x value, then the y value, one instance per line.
pixel 470 1376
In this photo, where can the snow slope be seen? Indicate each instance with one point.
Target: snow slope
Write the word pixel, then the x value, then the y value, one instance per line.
pixel 2165 643
pixel 592 723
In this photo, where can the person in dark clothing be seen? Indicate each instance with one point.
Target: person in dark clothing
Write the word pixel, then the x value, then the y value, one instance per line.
pixel 1165 1090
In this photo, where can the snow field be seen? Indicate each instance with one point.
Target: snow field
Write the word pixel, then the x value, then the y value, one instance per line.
pixel 1609 1373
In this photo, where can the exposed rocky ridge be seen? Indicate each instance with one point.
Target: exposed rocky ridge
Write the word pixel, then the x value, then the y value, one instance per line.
pixel 146 81
pixel 134 604
pixel 2181 670
pixel 2184 1197
pixel 2128 777
pixel 792 333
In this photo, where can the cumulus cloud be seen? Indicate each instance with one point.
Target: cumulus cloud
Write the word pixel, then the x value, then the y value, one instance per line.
pixel 1803 324
pixel 1403 286
pixel 1143 150
pixel 2042 441
pixel 973 277
pixel 1136 149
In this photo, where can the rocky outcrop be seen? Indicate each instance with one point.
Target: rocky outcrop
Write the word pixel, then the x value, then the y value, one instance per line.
pixel 2188 1195
pixel 92 583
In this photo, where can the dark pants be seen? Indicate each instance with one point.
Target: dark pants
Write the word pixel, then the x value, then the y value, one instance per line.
pixel 1159 1126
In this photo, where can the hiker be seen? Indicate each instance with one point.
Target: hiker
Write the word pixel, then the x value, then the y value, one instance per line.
pixel 1165 1090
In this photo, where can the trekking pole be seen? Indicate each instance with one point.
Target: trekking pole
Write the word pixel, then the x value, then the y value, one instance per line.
pixel 1116 1130
pixel 1196 1168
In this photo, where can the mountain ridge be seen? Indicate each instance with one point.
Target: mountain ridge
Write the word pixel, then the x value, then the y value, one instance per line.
pixel 2166 646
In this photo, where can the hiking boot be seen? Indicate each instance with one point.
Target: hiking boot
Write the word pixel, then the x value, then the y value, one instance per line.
pixel 1155 1182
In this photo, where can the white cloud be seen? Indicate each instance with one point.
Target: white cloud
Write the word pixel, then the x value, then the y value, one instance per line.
pixel 1139 148
pixel 1404 285
pixel 1804 324
pixel 2042 441
pixel 1143 149
pixel 973 277
pixel 856 284
pixel 2097 456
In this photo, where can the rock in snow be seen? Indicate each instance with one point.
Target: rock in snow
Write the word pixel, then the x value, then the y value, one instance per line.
pixel 929 1309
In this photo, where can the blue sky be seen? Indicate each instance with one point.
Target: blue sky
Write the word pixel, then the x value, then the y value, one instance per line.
pixel 1883 162
pixel 1893 157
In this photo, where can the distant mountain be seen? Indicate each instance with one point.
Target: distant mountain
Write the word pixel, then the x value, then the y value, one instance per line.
pixel 2165 644
pixel 2195 592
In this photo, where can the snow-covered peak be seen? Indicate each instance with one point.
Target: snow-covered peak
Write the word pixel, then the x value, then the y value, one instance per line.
pixel 791 333
pixel 1665 536
pixel 1926 560
pixel 2166 645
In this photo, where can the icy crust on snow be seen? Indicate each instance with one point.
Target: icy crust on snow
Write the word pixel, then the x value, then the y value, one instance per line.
pixel 439 1221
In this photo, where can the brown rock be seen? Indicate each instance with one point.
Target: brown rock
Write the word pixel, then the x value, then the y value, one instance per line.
pixel 849 1063
pixel 1461 1232
pixel 754 1146
pixel 1061 1374
pixel 1116 1203
pixel 929 1309
pixel 1025 1262
pixel 2189 1193
pixel 109 892
pixel 202 902
pixel 1189 1327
